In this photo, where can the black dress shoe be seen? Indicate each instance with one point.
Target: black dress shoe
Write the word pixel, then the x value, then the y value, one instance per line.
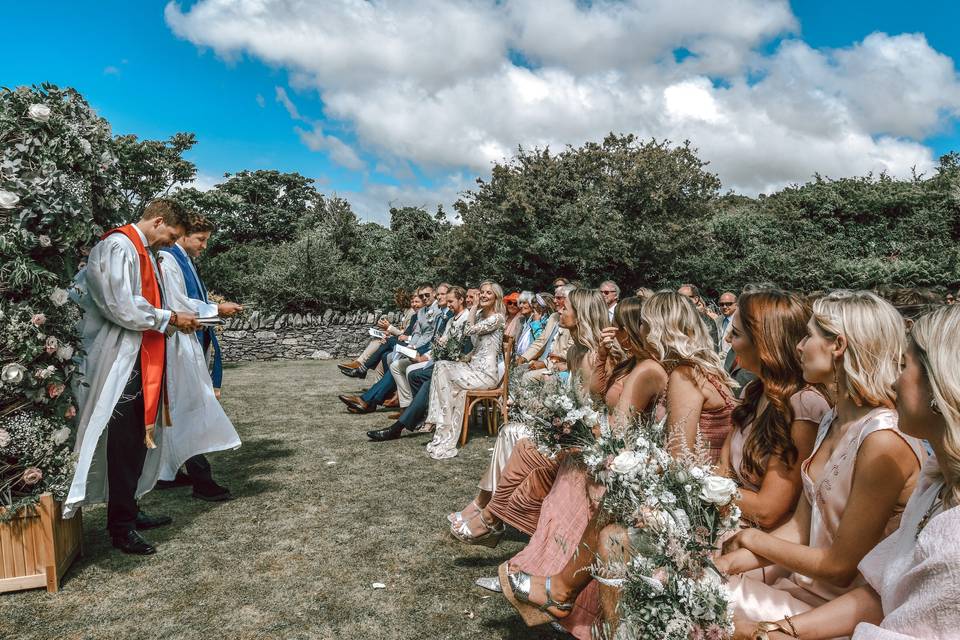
pixel 390 433
pixel 133 542
pixel 354 373
pixel 151 522
pixel 212 492
pixel 180 480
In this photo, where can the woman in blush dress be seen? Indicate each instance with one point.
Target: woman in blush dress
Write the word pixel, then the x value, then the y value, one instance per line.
pixel 856 482
pixel 452 380
pixel 913 576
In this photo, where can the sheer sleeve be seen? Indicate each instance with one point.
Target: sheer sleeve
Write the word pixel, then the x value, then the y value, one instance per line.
pixel 489 324
pixel 809 405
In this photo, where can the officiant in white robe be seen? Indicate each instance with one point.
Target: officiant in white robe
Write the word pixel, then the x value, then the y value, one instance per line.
pixel 119 441
pixel 201 426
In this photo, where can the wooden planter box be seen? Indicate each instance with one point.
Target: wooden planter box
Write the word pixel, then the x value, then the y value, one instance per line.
pixel 38 546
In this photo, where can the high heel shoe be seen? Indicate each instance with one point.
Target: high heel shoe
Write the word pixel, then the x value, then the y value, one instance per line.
pixel 457 516
pixel 516 589
pixel 490 538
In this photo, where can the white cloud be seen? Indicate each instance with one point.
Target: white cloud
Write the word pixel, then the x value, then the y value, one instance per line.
pixel 374 201
pixel 287 103
pixel 204 182
pixel 432 82
pixel 261 101
pixel 337 149
pixel 111 71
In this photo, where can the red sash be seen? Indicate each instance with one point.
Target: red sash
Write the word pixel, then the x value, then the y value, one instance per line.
pixel 153 345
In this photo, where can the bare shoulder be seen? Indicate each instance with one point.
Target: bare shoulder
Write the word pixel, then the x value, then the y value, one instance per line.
pixel 653 369
pixel 884 450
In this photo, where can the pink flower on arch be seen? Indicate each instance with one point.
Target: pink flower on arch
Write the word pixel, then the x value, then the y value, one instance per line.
pixel 32 476
pixel 54 389
pixel 38 319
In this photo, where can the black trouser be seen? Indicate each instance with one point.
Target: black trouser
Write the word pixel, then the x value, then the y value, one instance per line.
pixel 198 468
pixel 126 453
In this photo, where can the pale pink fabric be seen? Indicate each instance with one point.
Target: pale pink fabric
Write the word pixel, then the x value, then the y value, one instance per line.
pixel 807 404
pixel 828 496
pixel 917 577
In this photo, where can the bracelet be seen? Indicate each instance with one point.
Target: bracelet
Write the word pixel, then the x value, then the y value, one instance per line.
pixel 793 629
pixel 173 318
pixel 764 628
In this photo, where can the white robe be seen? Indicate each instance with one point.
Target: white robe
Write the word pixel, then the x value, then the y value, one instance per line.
pixel 199 424
pixel 114 317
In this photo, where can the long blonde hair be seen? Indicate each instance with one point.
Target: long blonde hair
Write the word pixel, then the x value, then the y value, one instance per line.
pixel 592 316
pixel 498 306
pixel 678 336
pixel 876 337
pixel 937 339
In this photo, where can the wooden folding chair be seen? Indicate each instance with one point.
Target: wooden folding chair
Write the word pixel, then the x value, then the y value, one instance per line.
pixel 492 397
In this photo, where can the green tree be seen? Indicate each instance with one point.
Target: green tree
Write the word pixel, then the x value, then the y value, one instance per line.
pixel 152 168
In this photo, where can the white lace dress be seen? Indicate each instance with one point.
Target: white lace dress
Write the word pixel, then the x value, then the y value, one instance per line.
pixel 452 380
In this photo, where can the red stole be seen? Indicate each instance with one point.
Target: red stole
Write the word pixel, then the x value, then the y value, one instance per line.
pixel 153 345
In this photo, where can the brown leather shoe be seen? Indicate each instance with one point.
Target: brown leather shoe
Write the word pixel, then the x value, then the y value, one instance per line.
pixel 395 415
pixel 392 402
pixel 349 366
pixel 356 405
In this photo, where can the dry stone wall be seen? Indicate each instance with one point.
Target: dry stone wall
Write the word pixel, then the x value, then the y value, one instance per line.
pixel 331 334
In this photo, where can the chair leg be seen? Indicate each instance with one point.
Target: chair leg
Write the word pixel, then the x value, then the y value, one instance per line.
pixel 465 429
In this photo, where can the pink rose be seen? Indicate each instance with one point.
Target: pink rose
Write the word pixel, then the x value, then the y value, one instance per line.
pixel 32 476
pixel 660 575
pixel 38 319
pixel 70 412
pixel 54 389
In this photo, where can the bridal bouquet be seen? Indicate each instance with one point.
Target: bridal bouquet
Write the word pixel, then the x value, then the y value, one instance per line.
pixel 558 414
pixel 674 511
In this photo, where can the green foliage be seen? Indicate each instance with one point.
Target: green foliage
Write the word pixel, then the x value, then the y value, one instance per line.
pixel 59 190
pixel 151 168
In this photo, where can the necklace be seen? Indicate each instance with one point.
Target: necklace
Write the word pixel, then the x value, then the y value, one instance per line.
pixel 937 503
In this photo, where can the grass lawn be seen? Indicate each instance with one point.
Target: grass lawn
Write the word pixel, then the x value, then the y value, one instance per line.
pixel 320 515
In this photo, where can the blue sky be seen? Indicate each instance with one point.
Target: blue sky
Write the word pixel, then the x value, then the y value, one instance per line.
pixel 129 62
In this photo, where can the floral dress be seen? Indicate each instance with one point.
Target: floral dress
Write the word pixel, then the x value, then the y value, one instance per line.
pixel 452 380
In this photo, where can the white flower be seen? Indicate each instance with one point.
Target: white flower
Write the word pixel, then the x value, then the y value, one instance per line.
pixel 59 297
pixel 85 146
pixel 8 199
pixel 626 462
pixel 697 472
pixel 718 490
pixel 44 241
pixel 4 438
pixel 39 112
pixel 61 435
pixel 12 373
pixel 65 352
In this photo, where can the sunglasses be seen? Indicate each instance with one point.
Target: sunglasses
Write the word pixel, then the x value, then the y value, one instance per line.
pixel 607 293
pixel 425 295
pixel 726 304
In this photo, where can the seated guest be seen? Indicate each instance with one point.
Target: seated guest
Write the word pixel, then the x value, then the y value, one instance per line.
pixel 524 334
pixel 402 367
pixel 414 333
pixel 548 353
pixel 452 380
pixel 560 282
pixel 519 476
pixel 776 422
pixel 512 317
pixel 913 576
pixel 403 301
pixel 543 329
pixel 418 376
pixel 859 477
pixel 430 322
pixel 555 565
pixel 728 306
pixel 472 296
pixel 693 293
pixel 610 291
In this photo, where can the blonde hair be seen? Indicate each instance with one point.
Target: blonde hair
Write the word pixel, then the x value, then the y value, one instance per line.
pixel 592 315
pixel 937 339
pixel 875 337
pixel 498 306
pixel 679 336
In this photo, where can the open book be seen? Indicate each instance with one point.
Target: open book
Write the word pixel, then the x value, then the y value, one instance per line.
pixel 406 351
pixel 208 315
